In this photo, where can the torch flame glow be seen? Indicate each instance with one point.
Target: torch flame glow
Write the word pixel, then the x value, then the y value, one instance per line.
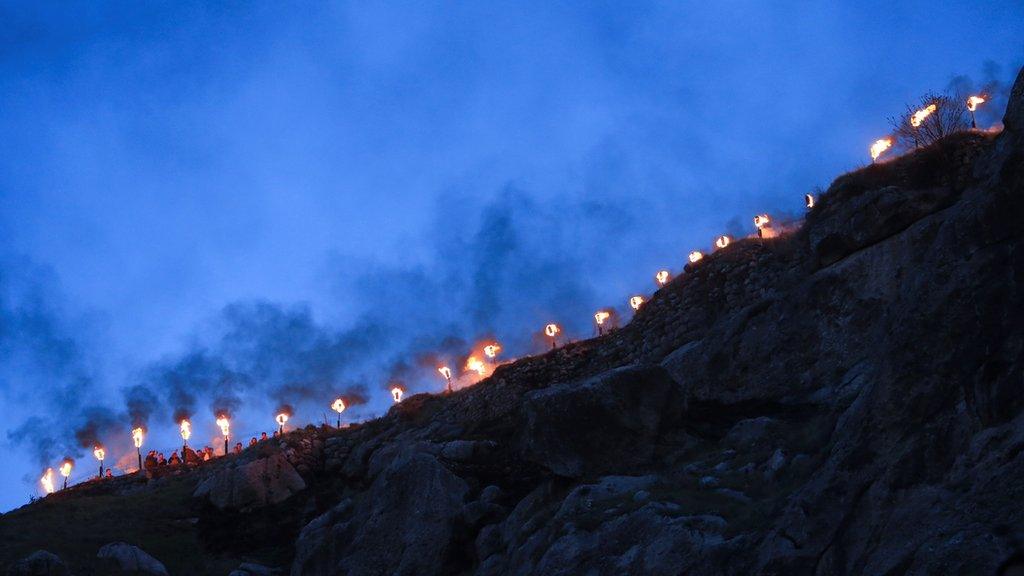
pixel 65 468
pixel 601 316
pixel 491 350
pixel 809 200
pixel 99 452
pixel 761 220
pixel 880 145
pixel 338 405
pixel 47 481
pixel 973 101
pixel 636 302
pixel 921 114
pixel 662 277
pixel 396 393
pixel 225 426
pixel 281 419
pixel 723 241
pixel 696 256
pixel 186 429
pixel 137 435
pixel 446 372
pixel 552 330
pixel 474 364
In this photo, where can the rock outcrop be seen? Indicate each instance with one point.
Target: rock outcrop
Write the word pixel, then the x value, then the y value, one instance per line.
pixel 39 563
pixel 132 559
pixel 240 486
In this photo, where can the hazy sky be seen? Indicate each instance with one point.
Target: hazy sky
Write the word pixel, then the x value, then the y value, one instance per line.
pixel 270 201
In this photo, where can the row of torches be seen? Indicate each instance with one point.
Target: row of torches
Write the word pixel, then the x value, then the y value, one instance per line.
pixel 473 363
pixel 878 147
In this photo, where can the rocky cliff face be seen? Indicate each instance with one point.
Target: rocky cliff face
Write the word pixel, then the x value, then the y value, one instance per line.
pixel 844 399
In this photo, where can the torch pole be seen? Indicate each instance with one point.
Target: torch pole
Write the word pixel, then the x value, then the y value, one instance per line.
pixel 101 468
pixel 280 430
pixel 138 450
pixel 339 421
pixel 65 483
pixel 974 125
pixel 225 445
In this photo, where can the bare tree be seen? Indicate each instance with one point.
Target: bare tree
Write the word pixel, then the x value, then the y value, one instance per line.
pixel 943 114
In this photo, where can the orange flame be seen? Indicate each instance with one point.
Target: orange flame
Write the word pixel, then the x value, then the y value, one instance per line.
pixel 491 350
pixel 761 220
pixel 722 241
pixel 225 425
pixel 99 452
pixel 552 330
pixel 662 277
pixel 636 302
pixel 47 481
pixel 473 364
pixel 973 101
pixel 880 145
pixel 696 256
pixel 921 114
pixel 338 405
pixel 396 393
pixel 65 468
pixel 137 435
pixel 186 429
pixel 809 200
pixel 601 316
pixel 281 419
pixel 446 372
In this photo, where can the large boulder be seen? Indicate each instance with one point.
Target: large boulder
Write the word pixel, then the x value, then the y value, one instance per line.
pixel 260 483
pixel 39 563
pixel 404 523
pixel 132 559
pixel 601 425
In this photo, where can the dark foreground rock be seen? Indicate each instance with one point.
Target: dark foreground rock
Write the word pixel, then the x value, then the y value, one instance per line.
pixel 39 563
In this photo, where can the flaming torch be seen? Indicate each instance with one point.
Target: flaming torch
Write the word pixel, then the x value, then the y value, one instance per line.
pixel 100 454
pixel 763 223
pixel 600 317
pixel 47 481
pixel 662 277
pixel 636 302
pixel 65 470
pixel 918 117
pixel 492 350
pixel 722 241
pixel 879 146
pixel 447 373
pixel 809 200
pixel 137 435
pixel 473 364
pixel 396 393
pixel 281 420
pixel 186 433
pixel 972 105
pixel 225 430
pixel 696 256
pixel 339 407
pixel 552 330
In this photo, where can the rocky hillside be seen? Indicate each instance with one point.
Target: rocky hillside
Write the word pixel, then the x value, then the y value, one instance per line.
pixel 844 399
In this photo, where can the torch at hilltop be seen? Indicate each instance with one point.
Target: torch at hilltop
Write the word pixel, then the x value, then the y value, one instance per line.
pixel 551 331
pixel 396 393
pixel 65 470
pixel 137 436
pixel 283 414
pixel 338 406
pixel 972 105
pixel 599 318
pixel 447 373
pixel 100 454
pixel 225 430
pixel 47 481
pixel 185 428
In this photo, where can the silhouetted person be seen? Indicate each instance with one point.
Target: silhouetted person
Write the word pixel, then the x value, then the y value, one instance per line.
pixel 161 460
pixel 110 473
pixel 263 436
pixel 238 448
pixel 253 441
pixel 174 460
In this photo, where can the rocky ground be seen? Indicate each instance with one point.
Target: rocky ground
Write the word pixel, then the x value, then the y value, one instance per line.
pixel 844 399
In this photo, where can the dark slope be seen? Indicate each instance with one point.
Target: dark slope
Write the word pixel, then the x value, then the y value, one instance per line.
pixel 845 399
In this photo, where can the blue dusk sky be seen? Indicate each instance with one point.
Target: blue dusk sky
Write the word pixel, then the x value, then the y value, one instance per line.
pixel 233 206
